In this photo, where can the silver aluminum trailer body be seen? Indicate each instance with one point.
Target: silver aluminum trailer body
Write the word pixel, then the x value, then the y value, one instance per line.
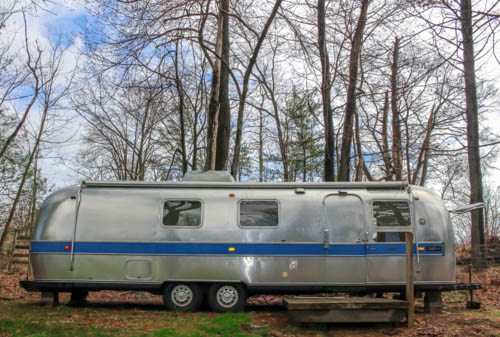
pixel 112 235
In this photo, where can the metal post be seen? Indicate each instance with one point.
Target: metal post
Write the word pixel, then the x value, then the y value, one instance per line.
pixel 409 280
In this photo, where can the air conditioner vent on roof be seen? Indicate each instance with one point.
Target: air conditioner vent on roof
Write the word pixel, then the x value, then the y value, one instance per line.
pixel 216 176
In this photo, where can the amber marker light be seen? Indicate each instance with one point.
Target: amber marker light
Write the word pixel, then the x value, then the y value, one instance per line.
pixel 231 249
pixel 421 248
pixel 232 195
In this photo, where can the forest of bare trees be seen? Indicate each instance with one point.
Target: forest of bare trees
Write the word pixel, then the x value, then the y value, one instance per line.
pixel 284 90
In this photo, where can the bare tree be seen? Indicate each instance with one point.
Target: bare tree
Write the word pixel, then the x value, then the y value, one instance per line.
pixel 350 110
pixel 33 65
pixel 397 151
pixel 474 157
pixel 124 125
pixel 246 78
pixel 325 95
pixel 270 92
pixel 473 27
pixel 48 72
pixel 219 115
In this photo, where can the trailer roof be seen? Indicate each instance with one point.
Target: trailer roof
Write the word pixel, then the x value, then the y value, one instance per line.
pixel 245 185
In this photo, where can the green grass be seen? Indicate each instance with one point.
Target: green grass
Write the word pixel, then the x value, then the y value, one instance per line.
pixel 32 320
pixel 19 328
pixel 229 325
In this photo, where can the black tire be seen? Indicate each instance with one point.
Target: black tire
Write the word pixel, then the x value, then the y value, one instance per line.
pixel 182 296
pixel 227 297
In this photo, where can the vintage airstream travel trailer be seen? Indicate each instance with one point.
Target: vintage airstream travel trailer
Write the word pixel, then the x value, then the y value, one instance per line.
pixel 209 237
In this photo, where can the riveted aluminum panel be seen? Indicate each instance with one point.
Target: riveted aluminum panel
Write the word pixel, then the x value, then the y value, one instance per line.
pixel 51 266
pixel 132 213
pixel 55 219
pixel 345 221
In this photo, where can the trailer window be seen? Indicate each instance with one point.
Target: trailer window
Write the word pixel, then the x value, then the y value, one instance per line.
pixel 182 213
pixel 391 213
pixel 258 213
pixel 389 237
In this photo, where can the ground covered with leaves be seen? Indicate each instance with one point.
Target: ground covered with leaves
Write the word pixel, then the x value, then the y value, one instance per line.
pixel 111 313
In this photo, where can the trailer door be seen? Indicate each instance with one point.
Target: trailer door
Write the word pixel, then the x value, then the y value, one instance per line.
pixel 344 221
pixel 385 249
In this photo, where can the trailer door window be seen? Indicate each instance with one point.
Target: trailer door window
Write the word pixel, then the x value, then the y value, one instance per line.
pixel 182 213
pixel 258 213
pixel 391 213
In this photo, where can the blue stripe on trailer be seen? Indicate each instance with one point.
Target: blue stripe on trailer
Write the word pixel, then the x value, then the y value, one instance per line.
pixel 400 249
pixel 157 248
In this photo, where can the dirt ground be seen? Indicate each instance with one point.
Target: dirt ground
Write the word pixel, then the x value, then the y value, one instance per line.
pixel 112 313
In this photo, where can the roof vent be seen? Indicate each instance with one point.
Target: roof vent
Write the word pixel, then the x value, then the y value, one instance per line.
pixel 215 176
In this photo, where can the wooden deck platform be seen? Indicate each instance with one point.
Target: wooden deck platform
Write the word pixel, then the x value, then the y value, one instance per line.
pixel 357 309
pixel 345 309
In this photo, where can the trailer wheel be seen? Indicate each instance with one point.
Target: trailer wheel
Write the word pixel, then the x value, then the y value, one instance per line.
pixel 227 297
pixel 182 296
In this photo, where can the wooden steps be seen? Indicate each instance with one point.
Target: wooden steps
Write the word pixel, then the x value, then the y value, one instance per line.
pixel 345 309
pixel 19 262
pixel 357 309
pixel 20 254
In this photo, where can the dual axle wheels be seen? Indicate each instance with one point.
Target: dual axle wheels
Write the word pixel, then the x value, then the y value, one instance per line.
pixel 220 297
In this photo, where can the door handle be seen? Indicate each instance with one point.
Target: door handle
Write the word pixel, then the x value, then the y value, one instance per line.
pixel 326 239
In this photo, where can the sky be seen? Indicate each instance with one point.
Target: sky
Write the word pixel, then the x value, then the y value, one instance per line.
pixel 68 20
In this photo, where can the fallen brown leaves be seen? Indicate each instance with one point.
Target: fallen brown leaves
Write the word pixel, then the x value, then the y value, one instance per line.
pixel 113 309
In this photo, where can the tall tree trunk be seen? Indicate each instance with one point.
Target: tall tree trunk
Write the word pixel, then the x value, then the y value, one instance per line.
pixel 474 157
pixel 361 166
pixel 194 159
pixel 224 125
pixel 302 139
pixel 261 147
pixel 281 140
pixel 397 152
pixel 142 159
pixel 246 79
pixel 197 111
pixel 358 167
pixel 424 152
pixel 350 109
pixel 180 93
pixel 407 147
pixel 329 168
pixel 386 156
pixel 219 115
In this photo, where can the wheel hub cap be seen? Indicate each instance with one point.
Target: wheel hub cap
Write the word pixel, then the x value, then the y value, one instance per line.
pixel 227 296
pixel 182 295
